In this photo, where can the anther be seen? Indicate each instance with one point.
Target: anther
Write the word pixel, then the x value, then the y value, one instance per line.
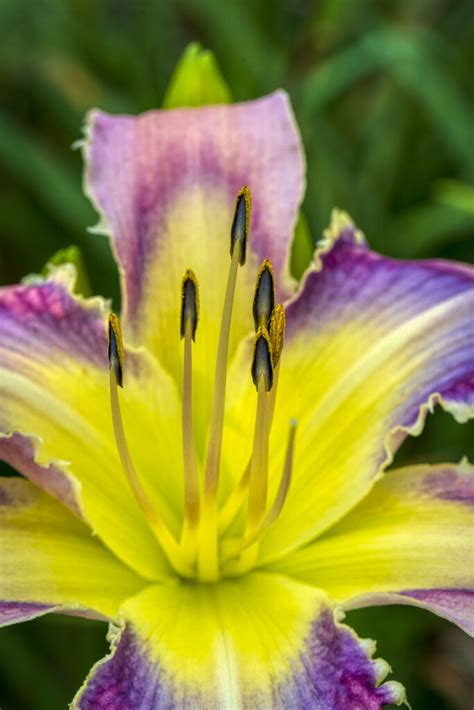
pixel 264 298
pixel 277 332
pixel 262 359
pixel 115 349
pixel 189 303
pixel 241 223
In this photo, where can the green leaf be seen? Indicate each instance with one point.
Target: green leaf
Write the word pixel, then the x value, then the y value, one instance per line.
pixel 71 255
pixel 302 248
pixel 456 194
pixel 68 255
pixel 196 81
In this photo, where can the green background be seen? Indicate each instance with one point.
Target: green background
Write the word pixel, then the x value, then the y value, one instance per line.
pixel 383 94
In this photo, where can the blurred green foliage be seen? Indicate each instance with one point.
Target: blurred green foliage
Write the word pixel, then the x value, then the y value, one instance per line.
pixel 383 93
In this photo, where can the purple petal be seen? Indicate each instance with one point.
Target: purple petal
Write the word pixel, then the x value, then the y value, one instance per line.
pixel 137 166
pixel 18 452
pixel 331 668
pixel 43 329
pixel 165 185
pixel 15 612
pixel 457 605
pixel 46 318
pixel 334 674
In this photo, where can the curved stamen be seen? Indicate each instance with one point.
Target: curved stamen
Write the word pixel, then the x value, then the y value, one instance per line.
pixel 208 557
pixel 166 540
pixel 234 548
pixel 189 321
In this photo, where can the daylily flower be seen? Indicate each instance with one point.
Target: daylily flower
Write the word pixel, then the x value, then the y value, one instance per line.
pixel 224 507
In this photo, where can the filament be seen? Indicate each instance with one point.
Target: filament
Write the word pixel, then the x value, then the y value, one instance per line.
pixel 208 558
pixel 258 483
pixel 235 501
pixel 165 538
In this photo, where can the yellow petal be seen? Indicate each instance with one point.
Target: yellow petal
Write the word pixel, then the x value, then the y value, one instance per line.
pixel 54 390
pixel 412 536
pixel 50 557
pixel 371 345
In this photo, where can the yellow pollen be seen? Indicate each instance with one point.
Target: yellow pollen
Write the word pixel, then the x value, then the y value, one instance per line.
pixel 277 332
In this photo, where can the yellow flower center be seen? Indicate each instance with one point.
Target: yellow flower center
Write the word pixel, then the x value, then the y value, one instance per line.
pixel 204 551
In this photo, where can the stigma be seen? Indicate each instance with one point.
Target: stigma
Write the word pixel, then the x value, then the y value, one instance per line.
pixel 203 550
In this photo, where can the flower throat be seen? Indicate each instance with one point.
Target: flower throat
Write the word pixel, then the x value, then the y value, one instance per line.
pixel 203 550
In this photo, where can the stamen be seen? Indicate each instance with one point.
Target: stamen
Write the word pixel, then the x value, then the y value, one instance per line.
pixel 165 538
pixel 208 557
pixel 264 298
pixel 189 321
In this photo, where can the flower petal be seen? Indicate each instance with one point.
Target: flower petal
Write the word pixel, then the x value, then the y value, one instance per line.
pixel 261 641
pixel 14 612
pixel 410 541
pixel 19 452
pixel 50 559
pixel 372 345
pixel 55 420
pixel 165 184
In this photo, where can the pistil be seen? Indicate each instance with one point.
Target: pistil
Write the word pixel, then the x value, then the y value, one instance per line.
pixel 208 548
pixel 189 321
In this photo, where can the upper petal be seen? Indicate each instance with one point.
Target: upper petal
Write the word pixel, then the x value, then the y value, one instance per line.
pixel 372 344
pixel 164 184
pixel 259 642
pixel 55 421
pixel 409 542
pixel 50 561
